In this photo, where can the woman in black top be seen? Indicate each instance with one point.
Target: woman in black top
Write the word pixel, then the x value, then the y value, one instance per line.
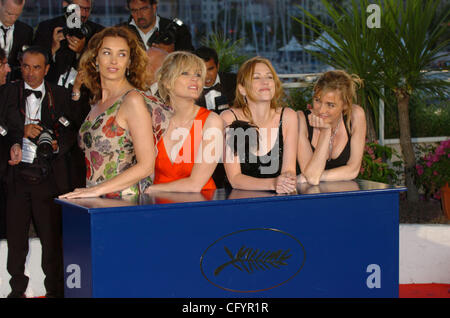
pixel 261 135
pixel 332 134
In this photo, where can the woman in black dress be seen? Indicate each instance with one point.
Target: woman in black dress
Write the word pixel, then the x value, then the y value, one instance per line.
pixel 332 134
pixel 261 134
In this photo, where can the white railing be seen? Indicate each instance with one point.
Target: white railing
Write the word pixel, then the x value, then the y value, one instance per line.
pixel 308 79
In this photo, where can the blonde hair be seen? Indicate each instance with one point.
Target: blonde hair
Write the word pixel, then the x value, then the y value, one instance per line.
pixel 173 66
pixel 345 84
pixel 245 78
pixel 138 61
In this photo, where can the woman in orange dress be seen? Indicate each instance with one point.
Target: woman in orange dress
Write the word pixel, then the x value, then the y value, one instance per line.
pixel 189 151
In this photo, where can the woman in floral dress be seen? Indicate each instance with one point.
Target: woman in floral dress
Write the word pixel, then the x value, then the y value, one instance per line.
pixel 118 135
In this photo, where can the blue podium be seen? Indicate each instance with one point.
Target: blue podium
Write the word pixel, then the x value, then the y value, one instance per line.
pixel 337 239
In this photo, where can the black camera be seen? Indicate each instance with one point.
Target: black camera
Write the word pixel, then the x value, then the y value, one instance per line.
pixel 44 144
pixel 37 171
pixel 74 26
pixel 44 140
pixel 167 36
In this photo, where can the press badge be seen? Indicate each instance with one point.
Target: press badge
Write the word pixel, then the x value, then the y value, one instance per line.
pixel 3 131
pixel 67 78
pixel 28 151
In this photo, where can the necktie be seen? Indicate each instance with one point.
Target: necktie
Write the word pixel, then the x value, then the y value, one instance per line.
pixel 37 94
pixel 5 30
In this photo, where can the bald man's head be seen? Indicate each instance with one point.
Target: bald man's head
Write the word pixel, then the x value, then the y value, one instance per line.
pixel 156 57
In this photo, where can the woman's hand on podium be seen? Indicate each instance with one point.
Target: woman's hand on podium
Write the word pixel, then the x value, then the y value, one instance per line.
pixel 81 193
pixel 301 179
pixel 286 183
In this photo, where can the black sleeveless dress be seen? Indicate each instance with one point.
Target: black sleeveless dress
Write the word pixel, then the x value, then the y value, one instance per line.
pixel 343 157
pixel 266 166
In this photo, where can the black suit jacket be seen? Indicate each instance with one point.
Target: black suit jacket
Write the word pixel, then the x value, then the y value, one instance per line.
pixel 183 38
pixel 22 36
pixel 69 156
pixel 9 119
pixel 228 83
pixel 64 57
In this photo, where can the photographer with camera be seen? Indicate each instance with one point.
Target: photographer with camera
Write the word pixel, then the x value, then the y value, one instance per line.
pixel 40 170
pixel 66 37
pixel 153 30
pixel 14 34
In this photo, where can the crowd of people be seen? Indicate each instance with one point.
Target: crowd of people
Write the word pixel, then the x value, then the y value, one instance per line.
pixel 121 110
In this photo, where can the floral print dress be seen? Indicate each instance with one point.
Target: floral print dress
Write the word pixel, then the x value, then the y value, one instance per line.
pixel 108 148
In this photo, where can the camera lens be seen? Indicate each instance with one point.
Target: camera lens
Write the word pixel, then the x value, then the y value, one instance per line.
pixel 44 143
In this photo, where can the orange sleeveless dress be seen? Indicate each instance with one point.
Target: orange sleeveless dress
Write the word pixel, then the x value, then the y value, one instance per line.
pixel 168 171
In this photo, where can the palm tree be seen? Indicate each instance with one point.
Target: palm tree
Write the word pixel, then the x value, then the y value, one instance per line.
pixel 227 50
pixel 411 40
pixel 351 46
pixel 393 57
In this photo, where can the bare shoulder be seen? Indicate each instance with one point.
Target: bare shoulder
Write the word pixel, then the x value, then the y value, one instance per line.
pixel 227 116
pixel 289 114
pixel 133 102
pixel 300 113
pixel 214 120
pixel 301 116
pixel 133 97
pixel 357 112
pixel 358 120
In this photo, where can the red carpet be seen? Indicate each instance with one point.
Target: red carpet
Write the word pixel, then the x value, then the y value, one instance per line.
pixel 416 291
pixel 424 291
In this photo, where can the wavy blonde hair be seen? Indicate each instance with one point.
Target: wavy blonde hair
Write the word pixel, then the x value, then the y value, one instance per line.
pixel 245 78
pixel 345 84
pixel 173 66
pixel 138 61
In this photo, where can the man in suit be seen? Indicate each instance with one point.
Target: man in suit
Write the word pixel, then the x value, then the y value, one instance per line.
pixel 66 48
pixel 35 176
pixel 14 34
pixel 220 87
pixel 149 26
pixel 217 95
pixel 9 134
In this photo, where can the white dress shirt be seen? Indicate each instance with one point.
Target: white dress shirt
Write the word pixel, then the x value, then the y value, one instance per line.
pixel 146 36
pixel 9 38
pixel 210 97
pixel 33 105
pixel 32 116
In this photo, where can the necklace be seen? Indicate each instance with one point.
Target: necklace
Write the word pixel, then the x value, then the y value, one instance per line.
pixel 180 125
pixel 183 123
pixel 333 134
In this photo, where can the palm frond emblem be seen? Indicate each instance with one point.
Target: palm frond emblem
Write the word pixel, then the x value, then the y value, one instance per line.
pixel 250 260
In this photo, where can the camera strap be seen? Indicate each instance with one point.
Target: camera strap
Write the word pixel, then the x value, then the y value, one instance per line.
pixel 152 39
pixel 51 105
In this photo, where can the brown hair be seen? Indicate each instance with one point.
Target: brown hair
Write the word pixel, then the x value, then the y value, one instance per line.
pixel 338 80
pixel 173 66
pixel 138 61
pixel 245 78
